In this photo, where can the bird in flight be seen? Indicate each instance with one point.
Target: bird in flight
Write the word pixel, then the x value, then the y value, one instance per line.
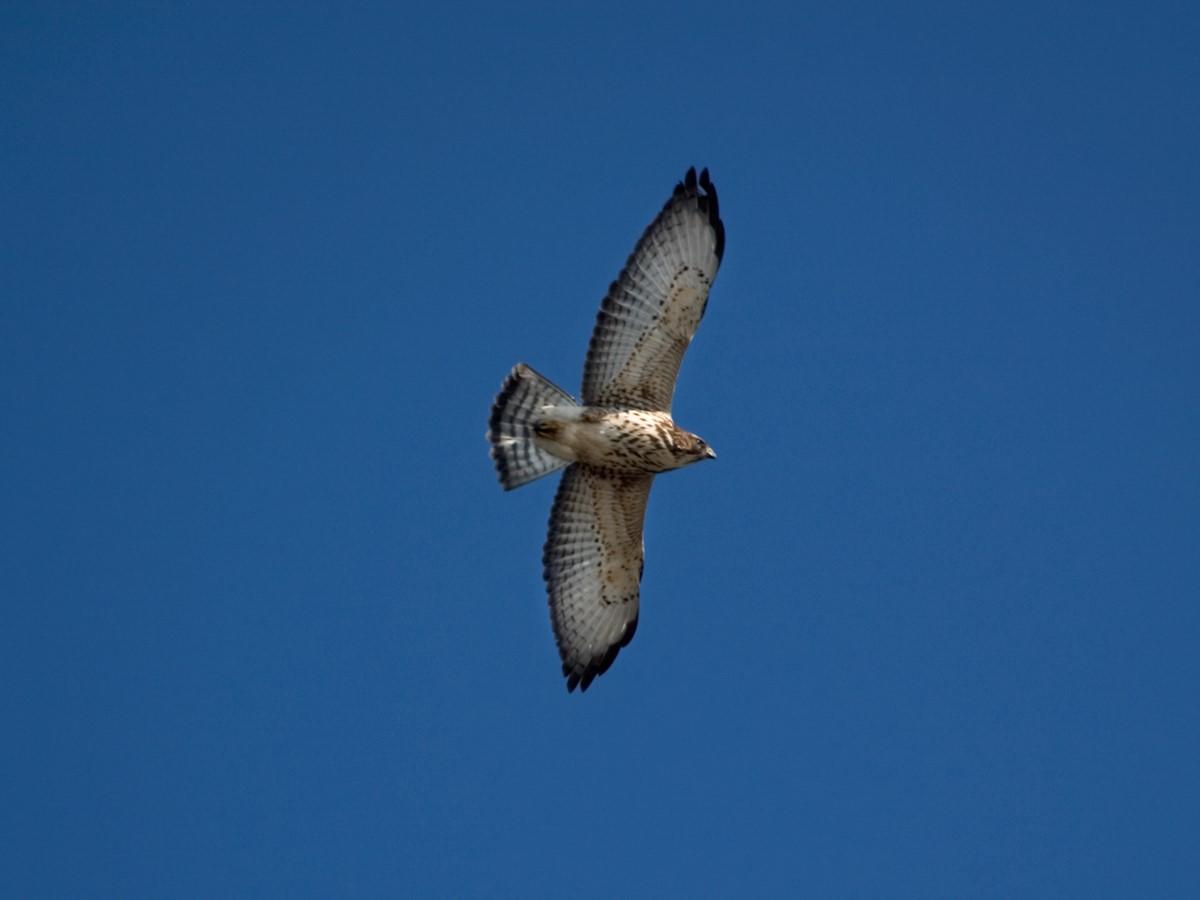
pixel 621 435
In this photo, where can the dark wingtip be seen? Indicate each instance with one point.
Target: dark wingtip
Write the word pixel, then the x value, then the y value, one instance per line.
pixel 692 186
pixel 710 204
pixel 599 665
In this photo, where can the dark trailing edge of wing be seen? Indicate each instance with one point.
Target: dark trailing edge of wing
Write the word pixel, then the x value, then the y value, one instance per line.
pixel 598 666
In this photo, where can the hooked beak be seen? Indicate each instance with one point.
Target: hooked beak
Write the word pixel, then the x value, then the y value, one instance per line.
pixel 710 452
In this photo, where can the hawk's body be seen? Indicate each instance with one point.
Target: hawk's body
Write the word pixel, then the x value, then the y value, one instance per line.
pixel 624 441
pixel 622 437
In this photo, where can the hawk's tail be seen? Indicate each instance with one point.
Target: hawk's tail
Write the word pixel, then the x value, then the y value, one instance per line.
pixel 517 409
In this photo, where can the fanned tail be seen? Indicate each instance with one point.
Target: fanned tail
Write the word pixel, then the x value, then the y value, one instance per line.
pixel 516 410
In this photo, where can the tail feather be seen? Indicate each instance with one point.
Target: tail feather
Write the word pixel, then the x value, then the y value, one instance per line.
pixel 516 410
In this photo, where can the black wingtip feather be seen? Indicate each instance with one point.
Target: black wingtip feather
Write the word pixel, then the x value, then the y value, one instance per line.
pixel 692 186
pixel 710 205
pixel 583 679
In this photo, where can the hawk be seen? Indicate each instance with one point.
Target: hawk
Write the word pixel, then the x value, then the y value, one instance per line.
pixel 621 435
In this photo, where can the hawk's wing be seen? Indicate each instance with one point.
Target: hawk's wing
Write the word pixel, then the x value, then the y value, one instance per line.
pixel 652 310
pixel 593 565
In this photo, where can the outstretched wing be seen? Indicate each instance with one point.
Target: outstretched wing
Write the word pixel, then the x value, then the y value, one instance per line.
pixel 652 310
pixel 593 565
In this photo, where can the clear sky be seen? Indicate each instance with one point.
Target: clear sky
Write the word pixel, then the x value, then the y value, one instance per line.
pixel 927 628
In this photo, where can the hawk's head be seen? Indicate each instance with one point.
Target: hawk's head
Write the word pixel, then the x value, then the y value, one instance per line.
pixel 689 448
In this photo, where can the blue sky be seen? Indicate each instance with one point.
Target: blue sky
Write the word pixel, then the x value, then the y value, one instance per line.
pixel 927 627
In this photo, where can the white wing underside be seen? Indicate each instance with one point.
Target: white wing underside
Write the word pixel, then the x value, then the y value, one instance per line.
pixel 652 310
pixel 593 566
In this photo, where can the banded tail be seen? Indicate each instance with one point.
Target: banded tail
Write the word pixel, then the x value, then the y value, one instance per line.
pixel 517 409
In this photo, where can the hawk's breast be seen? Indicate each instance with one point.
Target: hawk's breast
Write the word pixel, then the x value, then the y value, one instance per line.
pixel 617 440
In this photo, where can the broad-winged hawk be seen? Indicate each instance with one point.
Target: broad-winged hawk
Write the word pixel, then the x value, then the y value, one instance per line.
pixel 622 434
